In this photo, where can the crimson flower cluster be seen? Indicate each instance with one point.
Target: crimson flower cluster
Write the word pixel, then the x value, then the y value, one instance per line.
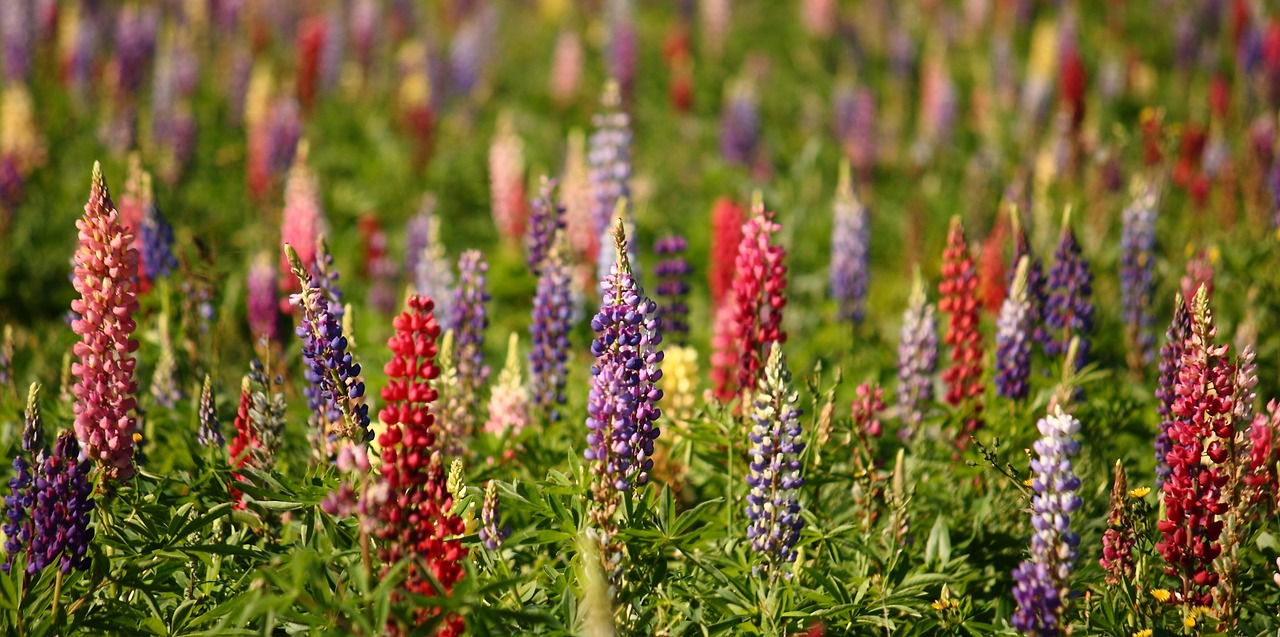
pixel 759 294
pixel 958 298
pixel 1201 428
pixel 417 521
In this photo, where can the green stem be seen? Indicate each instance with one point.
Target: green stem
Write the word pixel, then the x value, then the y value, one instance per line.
pixel 57 594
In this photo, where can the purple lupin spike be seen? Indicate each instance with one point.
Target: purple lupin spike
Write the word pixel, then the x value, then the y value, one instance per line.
pixel 850 243
pixel 1137 273
pixel 1013 338
pixel 673 287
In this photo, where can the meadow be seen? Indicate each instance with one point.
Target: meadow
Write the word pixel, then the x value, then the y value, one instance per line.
pixel 626 317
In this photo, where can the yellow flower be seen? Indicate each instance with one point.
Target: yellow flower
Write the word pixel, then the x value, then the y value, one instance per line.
pixel 1140 492
pixel 1190 621
pixel 1145 632
pixel 1160 594
pixel 1027 482
pixel 137 437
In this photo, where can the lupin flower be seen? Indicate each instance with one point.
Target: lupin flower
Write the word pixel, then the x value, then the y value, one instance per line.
pixel 724 353
pixel 866 409
pixel 332 372
pixel 1013 338
pixel 452 411
pixel 622 406
pixel 106 268
pixel 377 265
pixel 1200 433
pixel 680 381
pixel 261 301
pixel 566 67
pixel 164 380
pixel 17 527
pixel 609 159
pixel 1069 309
pixel 426 261
pixel 1036 294
pixel 623 45
pixel 854 111
pixel 993 278
pixel 154 240
pixel 326 278
pixel 1041 584
pixel 470 50
pixel 759 293
pixel 740 125
pixel 417 520
pixel 210 432
pixel 917 359
pixel 850 244
pixel 1199 273
pixel 673 286
pixel 1261 481
pixel 312 33
pixel 283 133
pixel 267 413
pixel 958 298
pixel 506 180
pixel 492 533
pixel 1119 538
pixel 509 400
pixel 1170 362
pixel 1137 273
pixel 15 31
pixel 726 235
pixel 546 221
pixel 549 333
pixel 301 220
pixel 470 320
pixel 773 504
pixel 61 503
pixel 578 192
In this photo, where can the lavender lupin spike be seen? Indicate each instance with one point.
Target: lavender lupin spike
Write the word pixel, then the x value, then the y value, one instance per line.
pixel 850 242
pixel 470 320
pixel 546 220
pixel 773 505
pixel 917 359
pixel 673 287
pixel 210 432
pixel 549 332
pixel 1041 584
pixel 331 370
pixel 1013 338
pixel 1069 309
pixel 1137 272
pixel 622 405
pixel 609 159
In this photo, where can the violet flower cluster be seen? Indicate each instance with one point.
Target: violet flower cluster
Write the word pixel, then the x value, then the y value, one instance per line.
pixel 426 261
pixel 1069 309
pixel 1041 584
pixel 333 374
pixel 740 126
pixel 155 241
pixel 917 359
pixel 850 243
pixel 773 505
pixel 1137 273
pixel 549 333
pixel 609 159
pixel 61 506
pixel 1036 294
pixel 673 286
pixel 470 320
pixel 546 221
pixel 326 277
pixel 1170 363
pixel 1013 338
pixel 622 406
